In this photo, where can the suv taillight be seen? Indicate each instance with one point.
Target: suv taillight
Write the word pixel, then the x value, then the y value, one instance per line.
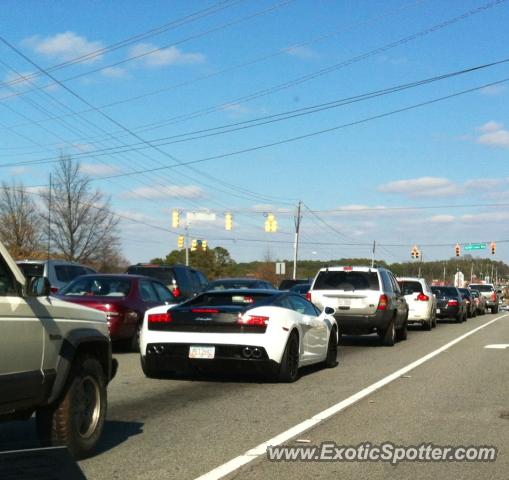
pixel 494 296
pixel 453 303
pixel 176 292
pixel 308 296
pixel 422 297
pixel 383 303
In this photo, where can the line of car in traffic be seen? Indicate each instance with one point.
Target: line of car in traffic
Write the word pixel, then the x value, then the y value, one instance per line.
pixel 55 352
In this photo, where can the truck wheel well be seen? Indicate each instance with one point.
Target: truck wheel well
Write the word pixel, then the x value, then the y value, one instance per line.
pixel 98 350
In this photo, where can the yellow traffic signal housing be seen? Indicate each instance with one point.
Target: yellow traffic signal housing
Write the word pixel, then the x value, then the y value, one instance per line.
pixel 457 250
pixel 180 242
pixel 493 248
pixel 194 245
pixel 271 223
pixel 204 245
pixel 228 221
pixel 175 218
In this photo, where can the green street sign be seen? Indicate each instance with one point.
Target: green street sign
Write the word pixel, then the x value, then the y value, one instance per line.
pixel 475 246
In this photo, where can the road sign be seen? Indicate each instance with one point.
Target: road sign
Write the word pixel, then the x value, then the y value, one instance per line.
pixel 280 268
pixel 475 246
pixel 459 279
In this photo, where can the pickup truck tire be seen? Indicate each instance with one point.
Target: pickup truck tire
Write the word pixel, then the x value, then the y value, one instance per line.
pixel 77 419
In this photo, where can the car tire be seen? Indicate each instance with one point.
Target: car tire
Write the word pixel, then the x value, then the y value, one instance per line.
pixel 135 340
pixel 289 367
pixel 459 318
pixel 428 325
pixel 494 309
pixel 402 333
pixel 77 419
pixel 434 322
pixel 331 360
pixel 389 336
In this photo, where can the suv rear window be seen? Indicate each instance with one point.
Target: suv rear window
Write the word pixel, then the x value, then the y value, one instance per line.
pixel 163 274
pixel 32 269
pixel 408 288
pixel 482 288
pixel 350 280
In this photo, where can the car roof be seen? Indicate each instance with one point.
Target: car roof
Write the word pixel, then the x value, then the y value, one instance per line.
pixel 410 279
pixel 238 279
pixel 339 268
pixel 126 276
pixel 246 291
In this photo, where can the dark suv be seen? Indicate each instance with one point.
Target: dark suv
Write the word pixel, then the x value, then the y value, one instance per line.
pixel 184 282
pixel 450 303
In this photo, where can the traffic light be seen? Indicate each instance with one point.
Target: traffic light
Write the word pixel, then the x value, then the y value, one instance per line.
pixel 417 254
pixel 271 223
pixel 493 248
pixel 204 245
pixel 228 221
pixel 413 254
pixel 180 242
pixel 457 250
pixel 175 218
pixel 194 245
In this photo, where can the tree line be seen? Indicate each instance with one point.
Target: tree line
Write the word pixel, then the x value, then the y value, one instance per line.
pixel 70 220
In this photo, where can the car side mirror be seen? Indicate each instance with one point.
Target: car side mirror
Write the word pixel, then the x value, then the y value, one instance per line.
pixel 38 287
pixel 330 310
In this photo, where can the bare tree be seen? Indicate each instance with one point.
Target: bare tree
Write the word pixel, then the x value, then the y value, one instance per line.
pixel 81 222
pixel 20 223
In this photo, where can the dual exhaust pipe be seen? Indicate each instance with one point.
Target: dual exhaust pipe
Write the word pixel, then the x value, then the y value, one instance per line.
pixel 156 349
pixel 252 352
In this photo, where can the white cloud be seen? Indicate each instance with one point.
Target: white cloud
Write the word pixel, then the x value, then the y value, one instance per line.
pixel 169 191
pixel 303 52
pixel 490 126
pixel 422 187
pixel 499 138
pixel 442 218
pixel 484 183
pixel 114 72
pixel 493 90
pixel 165 56
pixel 19 171
pixel 65 46
pixel 98 170
pixel 235 108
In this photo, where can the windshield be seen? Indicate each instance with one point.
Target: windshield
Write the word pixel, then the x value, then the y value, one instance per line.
pixel 445 291
pixel 31 269
pixel 163 274
pixel 234 284
pixel 408 287
pixel 97 287
pixel 341 280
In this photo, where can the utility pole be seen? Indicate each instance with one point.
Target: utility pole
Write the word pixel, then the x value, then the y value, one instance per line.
pixel 491 278
pixel 49 218
pixel 373 254
pixel 420 264
pixel 297 219
pixel 186 244
pixel 443 278
pixel 472 272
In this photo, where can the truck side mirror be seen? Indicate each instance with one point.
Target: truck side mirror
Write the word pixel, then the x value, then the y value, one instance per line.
pixel 39 287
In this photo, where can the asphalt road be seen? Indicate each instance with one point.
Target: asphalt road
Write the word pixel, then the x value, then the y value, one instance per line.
pixel 183 428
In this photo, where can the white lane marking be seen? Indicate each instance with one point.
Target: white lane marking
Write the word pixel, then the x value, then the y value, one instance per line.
pixel 250 455
pixel 498 346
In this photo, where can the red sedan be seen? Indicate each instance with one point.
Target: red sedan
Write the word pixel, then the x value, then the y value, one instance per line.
pixel 124 298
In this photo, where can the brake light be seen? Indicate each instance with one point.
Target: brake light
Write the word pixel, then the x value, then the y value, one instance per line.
pixel 494 296
pixel 308 296
pixel 253 320
pixel 54 289
pixel 347 269
pixel 160 317
pixel 422 297
pixel 383 303
pixel 176 292
pixel 205 310
pixel 453 303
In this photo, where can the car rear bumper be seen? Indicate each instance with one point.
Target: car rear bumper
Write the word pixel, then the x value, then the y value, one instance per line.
pixel 175 357
pixel 448 312
pixel 364 324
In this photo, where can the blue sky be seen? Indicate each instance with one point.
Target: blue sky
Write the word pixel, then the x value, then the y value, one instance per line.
pixel 233 61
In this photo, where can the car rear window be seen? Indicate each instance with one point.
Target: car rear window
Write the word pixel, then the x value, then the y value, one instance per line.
pixel 163 274
pixel 408 287
pixel 349 280
pixel 97 287
pixel 482 288
pixel 32 269
pixel 445 291
pixel 233 284
pixel 223 298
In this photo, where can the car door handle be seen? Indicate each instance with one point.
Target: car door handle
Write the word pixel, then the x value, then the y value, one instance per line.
pixel 55 336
